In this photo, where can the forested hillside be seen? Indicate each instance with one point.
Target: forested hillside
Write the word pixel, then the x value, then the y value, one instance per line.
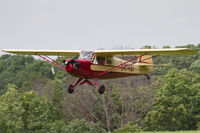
pixel 32 99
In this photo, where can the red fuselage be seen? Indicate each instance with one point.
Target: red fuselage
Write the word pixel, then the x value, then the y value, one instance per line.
pixel 84 71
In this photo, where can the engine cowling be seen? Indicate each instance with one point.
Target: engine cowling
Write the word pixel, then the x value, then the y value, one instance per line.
pixel 78 67
pixel 71 65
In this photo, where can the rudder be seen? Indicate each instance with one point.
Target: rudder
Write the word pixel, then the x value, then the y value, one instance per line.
pixel 145 59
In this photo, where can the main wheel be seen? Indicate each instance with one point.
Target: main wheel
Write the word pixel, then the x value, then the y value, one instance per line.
pixel 70 89
pixel 101 89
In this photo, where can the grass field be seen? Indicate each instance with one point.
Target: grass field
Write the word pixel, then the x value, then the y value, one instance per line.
pixel 175 132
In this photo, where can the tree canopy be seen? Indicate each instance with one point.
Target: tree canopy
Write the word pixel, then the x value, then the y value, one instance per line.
pixel 34 100
pixel 176 105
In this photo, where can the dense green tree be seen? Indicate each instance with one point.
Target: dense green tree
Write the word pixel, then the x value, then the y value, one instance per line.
pixel 25 112
pixel 178 62
pixel 41 67
pixel 176 106
pixel 21 70
pixel 47 108
pixel 38 112
pixel 195 67
pixel 11 112
pixel 82 126
pixel 57 96
pixel 166 46
pixel 129 128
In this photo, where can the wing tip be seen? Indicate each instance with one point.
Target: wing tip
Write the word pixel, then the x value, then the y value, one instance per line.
pixel 190 51
pixel 5 50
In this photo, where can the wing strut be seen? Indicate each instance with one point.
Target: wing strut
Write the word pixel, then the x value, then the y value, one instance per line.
pixel 51 61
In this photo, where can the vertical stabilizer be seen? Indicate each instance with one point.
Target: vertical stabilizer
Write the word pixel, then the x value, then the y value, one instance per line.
pixel 145 59
pixel 145 64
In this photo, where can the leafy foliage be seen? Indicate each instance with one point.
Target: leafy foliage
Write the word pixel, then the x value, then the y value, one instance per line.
pixel 11 111
pixel 82 126
pixel 129 128
pixel 21 70
pixel 34 100
pixel 176 106
pixel 27 113
pixel 178 62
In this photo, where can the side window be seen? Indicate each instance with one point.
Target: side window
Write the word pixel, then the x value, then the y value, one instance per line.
pixel 101 60
pixel 109 61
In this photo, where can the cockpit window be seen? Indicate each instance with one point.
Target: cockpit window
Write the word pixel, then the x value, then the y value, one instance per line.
pixel 101 60
pixel 88 55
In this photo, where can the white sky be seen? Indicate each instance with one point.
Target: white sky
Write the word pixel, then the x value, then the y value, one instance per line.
pixel 94 24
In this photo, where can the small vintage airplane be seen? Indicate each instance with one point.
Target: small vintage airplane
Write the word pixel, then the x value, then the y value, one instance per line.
pixel 104 64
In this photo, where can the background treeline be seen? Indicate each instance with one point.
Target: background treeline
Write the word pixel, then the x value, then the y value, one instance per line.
pixel 33 100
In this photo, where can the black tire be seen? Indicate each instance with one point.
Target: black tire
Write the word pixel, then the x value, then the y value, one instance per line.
pixel 70 89
pixel 101 89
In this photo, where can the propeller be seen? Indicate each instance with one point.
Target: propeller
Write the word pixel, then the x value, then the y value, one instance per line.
pixel 69 65
pixel 57 68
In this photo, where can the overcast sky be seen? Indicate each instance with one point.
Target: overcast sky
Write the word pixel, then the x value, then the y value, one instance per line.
pixel 94 24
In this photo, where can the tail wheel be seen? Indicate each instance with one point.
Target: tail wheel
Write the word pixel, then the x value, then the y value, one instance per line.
pixel 101 89
pixel 70 89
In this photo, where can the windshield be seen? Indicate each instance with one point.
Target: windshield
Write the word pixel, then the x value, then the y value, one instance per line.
pixel 88 55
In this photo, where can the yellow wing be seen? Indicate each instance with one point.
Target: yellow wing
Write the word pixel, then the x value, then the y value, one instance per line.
pixel 175 51
pixel 44 52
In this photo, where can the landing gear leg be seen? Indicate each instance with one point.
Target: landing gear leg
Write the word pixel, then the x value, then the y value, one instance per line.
pixel 72 87
pixel 101 88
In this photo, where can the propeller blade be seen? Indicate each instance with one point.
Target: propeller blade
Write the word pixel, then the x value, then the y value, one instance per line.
pixel 52 70
pixel 57 68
